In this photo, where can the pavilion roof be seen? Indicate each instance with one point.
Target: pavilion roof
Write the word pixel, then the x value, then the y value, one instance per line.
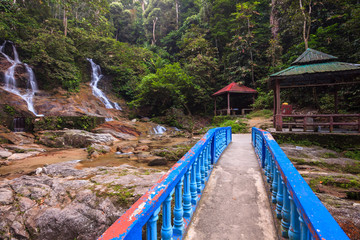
pixel 313 56
pixel 313 66
pixel 234 88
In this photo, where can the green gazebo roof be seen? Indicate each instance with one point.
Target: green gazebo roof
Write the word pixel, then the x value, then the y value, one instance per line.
pixel 313 66
pixel 313 56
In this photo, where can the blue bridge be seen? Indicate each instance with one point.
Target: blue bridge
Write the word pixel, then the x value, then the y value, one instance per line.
pixel 229 187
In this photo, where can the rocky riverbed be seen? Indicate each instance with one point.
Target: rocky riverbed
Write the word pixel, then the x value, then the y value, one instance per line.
pixel 335 180
pixel 78 189
pixel 63 202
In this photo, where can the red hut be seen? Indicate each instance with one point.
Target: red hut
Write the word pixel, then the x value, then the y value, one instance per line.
pixel 234 89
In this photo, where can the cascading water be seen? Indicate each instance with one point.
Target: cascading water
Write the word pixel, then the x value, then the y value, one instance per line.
pixel 95 78
pixel 10 81
pixel 159 129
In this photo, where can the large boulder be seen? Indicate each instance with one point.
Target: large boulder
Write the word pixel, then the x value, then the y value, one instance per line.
pixel 75 138
pixel 64 202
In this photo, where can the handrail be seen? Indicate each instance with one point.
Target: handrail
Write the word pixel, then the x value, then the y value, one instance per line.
pixel 302 214
pixel 330 122
pixel 190 174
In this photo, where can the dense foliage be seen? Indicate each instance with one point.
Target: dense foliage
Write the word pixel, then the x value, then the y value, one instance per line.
pixel 162 54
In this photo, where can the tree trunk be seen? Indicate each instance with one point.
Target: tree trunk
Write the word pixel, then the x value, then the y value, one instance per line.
pixel 307 23
pixel 177 14
pixel 274 42
pixel 65 23
pixel 251 55
pixel 143 7
pixel 154 25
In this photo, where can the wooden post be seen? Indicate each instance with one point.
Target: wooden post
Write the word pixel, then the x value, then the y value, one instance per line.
pixel 331 123
pixel 228 103
pixel 215 107
pixel 336 101
pixel 304 125
pixel 274 109
pixel 278 110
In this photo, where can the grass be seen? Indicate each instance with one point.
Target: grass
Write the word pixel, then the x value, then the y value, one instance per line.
pixel 264 113
pixel 329 155
pixel 237 125
pixel 176 154
pixel 343 182
pixel 122 195
pixel 349 168
pixel 353 154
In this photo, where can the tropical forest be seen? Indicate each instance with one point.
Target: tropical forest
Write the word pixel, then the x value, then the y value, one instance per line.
pixel 100 98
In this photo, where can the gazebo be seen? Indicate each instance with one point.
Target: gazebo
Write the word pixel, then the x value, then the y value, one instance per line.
pixel 313 69
pixel 232 88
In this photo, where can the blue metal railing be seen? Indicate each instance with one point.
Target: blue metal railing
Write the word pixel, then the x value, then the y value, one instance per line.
pixel 302 214
pixel 187 179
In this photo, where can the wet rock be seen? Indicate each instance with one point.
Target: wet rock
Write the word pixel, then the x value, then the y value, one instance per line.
pixel 142 148
pixel 4 162
pixel 100 148
pixel 122 155
pixel 145 119
pixel 25 148
pixel 157 162
pixel 119 130
pixel 151 160
pixel 127 149
pixel 18 156
pixel 145 141
pixel 6 196
pixel 95 154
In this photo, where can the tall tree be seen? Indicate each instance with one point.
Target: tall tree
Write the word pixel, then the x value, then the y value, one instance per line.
pixel 306 8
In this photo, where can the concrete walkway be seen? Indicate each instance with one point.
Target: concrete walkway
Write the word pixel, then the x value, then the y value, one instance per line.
pixel 234 205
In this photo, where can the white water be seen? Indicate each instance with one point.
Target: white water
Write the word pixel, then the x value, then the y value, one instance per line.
pixel 159 129
pixel 10 81
pixel 95 78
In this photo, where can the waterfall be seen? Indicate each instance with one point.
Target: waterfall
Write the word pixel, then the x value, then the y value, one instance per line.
pixel 159 129
pixel 95 78
pixel 10 81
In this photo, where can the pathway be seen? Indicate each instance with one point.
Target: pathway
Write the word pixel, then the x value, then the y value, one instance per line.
pixel 234 205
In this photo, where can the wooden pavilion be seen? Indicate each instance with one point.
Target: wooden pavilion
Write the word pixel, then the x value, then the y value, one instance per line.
pixel 233 88
pixel 313 69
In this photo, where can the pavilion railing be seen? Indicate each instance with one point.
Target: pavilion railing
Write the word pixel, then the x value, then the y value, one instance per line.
pixel 320 120
pixel 302 214
pixel 187 179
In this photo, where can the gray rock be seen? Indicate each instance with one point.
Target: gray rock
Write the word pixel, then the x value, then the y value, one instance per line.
pixel 6 196
pixel 5 154
pixel 117 134
pixel 100 148
pixel 25 204
pixel 19 156
pixel 67 203
pixel 19 230
pixel 75 138
pixel 157 162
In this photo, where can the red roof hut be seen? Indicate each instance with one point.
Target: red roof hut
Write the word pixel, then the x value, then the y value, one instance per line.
pixel 232 88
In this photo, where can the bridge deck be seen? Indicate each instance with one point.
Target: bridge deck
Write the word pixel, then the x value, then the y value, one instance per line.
pixel 234 204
